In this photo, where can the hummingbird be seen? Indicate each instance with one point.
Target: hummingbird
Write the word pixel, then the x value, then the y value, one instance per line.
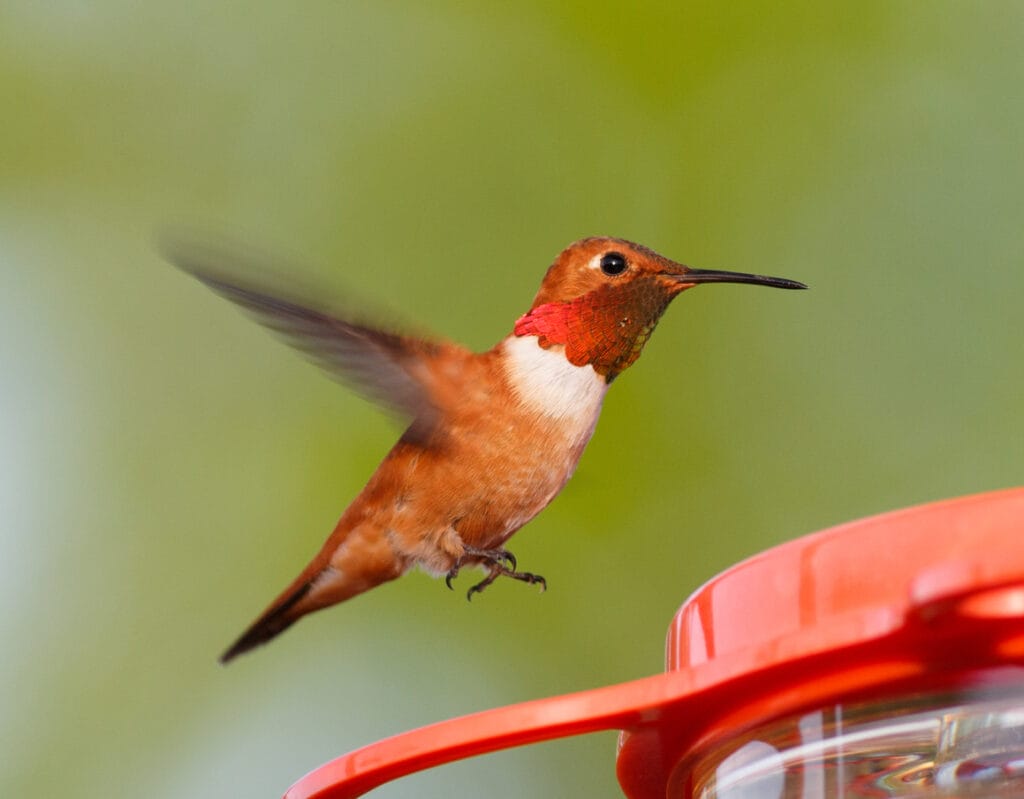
pixel 490 439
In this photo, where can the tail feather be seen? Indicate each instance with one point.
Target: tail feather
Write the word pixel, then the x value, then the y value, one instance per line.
pixel 274 621
pixel 343 568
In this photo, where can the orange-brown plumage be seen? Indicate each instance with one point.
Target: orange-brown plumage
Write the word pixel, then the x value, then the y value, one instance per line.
pixel 492 437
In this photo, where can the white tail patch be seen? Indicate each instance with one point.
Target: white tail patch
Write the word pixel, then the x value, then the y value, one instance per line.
pixel 547 383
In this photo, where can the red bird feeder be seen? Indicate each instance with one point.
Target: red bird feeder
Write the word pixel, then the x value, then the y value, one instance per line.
pixel 880 658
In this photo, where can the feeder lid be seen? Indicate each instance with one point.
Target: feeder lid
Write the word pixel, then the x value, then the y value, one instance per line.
pixel 857 581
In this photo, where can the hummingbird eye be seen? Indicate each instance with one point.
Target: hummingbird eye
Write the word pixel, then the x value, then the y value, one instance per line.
pixel 613 263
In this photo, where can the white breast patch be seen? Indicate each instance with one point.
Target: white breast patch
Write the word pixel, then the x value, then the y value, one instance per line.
pixel 545 382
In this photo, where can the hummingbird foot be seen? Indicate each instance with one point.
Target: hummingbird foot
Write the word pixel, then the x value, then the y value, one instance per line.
pixel 493 558
pixel 499 570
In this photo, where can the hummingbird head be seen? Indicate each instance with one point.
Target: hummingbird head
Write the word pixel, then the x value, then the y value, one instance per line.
pixel 602 298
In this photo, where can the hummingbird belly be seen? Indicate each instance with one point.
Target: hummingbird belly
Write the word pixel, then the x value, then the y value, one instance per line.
pixel 509 447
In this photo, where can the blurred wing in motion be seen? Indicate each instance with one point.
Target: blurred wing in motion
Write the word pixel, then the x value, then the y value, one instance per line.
pixel 384 367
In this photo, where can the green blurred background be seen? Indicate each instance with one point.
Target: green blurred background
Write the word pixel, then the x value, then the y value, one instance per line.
pixel 167 467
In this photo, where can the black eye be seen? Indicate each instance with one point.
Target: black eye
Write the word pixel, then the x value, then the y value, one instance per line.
pixel 613 263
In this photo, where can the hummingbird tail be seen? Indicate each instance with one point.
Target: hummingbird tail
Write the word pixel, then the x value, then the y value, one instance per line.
pixel 343 568
pixel 274 621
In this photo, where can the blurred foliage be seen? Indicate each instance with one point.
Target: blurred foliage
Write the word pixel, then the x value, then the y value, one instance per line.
pixel 166 467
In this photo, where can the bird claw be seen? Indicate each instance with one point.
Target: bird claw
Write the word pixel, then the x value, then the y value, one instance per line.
pixel 494 557
pixel 526 577
pixel 500 563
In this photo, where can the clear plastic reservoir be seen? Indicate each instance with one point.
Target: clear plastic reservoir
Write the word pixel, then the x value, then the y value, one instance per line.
pixel 951 746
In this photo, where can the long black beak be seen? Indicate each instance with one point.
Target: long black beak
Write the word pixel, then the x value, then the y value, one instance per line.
pixel 714 276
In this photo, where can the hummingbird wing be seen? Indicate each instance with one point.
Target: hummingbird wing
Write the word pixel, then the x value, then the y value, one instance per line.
pixel 386 368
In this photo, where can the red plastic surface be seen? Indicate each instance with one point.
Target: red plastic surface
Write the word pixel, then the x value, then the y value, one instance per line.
pixel 918 599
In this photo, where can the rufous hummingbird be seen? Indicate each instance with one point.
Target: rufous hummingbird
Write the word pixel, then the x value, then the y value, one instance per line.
pixel 492 437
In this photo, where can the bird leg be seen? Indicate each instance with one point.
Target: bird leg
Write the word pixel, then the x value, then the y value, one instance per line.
pixel 499 563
